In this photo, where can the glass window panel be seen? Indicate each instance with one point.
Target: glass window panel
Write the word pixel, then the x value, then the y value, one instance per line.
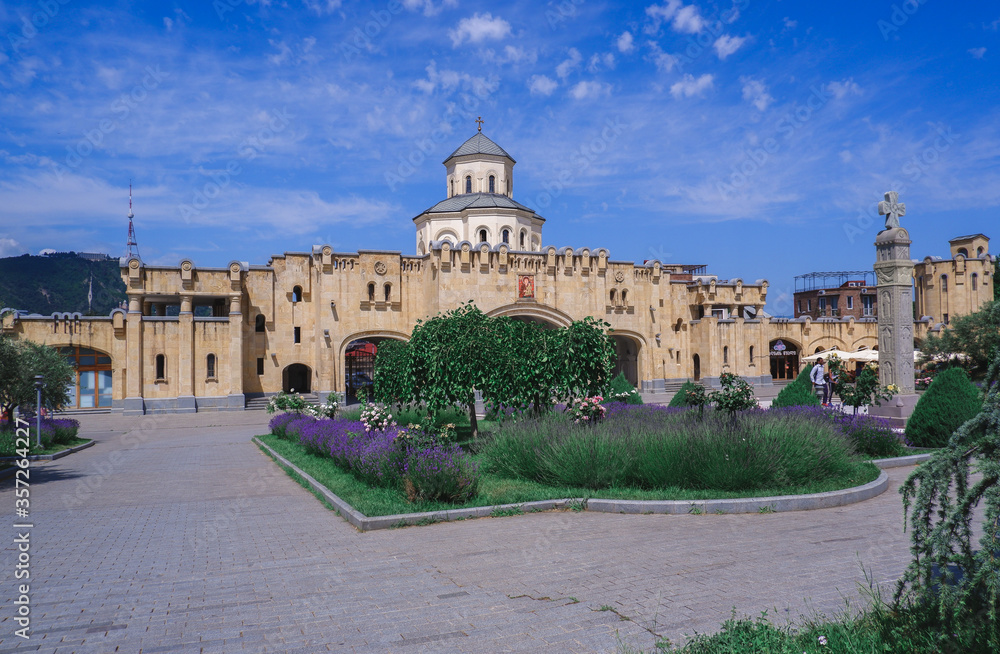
pixel 71 393
pixel 88 361
pixel 67 350
pixel 103 360
pixel 87 350
pixel 87 401
pixel 104 380
pixel 104 398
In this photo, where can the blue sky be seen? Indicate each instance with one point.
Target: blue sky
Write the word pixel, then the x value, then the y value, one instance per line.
pixel 754 137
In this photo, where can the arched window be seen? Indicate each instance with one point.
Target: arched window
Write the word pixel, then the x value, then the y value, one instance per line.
pixel 963 252
pixel 452 186
pixel 259 322
pixel 725 355
pixel 371 291
pixel 614 296
pixel 493 185
pixel 388 292
pixel 468 183
pixel 210 366
pixel 522 240
pixel 944 283
pixel 751 355
pixel 482 236
pixel 506 235
pixel 979 251
pixel 297 294
pixel 975 281
pixel 508 187
pixel 161 367
pixel 624 298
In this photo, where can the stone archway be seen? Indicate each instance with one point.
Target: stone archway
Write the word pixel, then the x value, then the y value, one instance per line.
pixel 627 350
pixel 696 363
pixel 357 356
pixel 296 378
pixel 784 356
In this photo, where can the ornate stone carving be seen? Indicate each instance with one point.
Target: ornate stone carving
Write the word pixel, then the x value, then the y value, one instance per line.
pixel 620 276
pixel 380 268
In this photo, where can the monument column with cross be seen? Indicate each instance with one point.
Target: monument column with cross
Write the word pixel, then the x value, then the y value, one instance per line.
pixel 894 274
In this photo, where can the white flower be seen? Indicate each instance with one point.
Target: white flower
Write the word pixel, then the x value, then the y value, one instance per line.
pixel 822 640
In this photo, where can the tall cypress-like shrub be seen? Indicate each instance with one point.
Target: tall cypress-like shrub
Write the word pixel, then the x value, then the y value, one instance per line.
pixel 798 393
pixel 680 399
pixel 623 391
pixel 949 401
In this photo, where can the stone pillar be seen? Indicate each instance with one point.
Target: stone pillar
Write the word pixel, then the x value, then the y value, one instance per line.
pixel 894 274
pixel 134 404
pixel 186 402
pixel 237 400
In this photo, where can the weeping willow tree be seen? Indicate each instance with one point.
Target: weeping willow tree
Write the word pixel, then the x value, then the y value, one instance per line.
pixel 957 583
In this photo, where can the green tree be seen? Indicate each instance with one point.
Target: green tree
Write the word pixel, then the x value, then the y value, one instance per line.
pixel 950 400
pixel 798 393
pixel 939 498
pixel 393 374
pixel 865 390
pixel 975 336
pixel 20 362
pixel 621 390
pixel 736 394
pixel 683 395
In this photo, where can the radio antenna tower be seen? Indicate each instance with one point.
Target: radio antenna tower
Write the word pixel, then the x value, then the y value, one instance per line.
pixel 132 245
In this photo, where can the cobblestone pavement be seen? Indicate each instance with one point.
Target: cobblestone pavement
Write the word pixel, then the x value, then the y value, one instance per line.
pixel 176 534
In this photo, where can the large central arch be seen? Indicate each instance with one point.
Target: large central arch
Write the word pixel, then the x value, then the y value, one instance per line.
pixel 535 312
pixel 357 360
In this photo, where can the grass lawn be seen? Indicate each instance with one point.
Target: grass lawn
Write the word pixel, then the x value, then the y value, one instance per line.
pixel 499 490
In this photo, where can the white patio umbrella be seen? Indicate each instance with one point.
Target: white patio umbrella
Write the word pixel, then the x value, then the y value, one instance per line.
pixel 825 354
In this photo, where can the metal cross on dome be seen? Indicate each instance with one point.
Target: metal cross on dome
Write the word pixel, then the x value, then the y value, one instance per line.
pixel 892 209
pixel 479 121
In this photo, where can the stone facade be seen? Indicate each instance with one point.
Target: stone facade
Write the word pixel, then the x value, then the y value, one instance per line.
pixel 211 338
pixel 946 288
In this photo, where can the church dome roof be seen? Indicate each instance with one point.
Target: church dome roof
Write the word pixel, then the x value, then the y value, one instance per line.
pixel 479 144
pixel 478 201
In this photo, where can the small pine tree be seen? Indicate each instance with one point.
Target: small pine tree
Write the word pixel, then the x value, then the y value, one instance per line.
pixel 623 391
pixel 950 400
pixel 680 399
pixel 798 393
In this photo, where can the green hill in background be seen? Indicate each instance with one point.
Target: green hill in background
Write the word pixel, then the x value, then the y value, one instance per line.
pixel 59 282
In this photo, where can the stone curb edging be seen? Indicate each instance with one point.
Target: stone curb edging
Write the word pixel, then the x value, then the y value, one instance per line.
pixel 901 461
pixel 42 457
pixel 738 505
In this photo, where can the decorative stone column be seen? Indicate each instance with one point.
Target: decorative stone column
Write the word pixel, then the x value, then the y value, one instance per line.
pixel 186 402
pixel 894 274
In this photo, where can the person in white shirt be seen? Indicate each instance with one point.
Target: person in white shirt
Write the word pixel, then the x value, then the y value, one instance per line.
pixel 817 377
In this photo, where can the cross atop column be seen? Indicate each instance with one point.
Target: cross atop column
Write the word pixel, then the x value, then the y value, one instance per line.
pixel 891 209
pixel 479 121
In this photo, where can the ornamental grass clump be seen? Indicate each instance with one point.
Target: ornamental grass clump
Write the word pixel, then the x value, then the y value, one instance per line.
pixel 440 473
pixel 65 429
pixel 870 436
pixel 656 448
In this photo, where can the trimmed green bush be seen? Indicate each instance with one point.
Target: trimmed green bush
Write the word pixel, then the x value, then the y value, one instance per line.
pixel 798 393
pixel 623 391
pixel 949 401
pixel 680 399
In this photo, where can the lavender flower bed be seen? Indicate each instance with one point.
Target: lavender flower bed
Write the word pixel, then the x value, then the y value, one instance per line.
pixel 870 436
pixel 279 423
pixel 382 458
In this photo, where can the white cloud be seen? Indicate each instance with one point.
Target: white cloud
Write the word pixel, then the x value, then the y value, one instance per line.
pixel 664 62
pixel 510 55
pixel 790 24
pixel 542 85
pixel 683 18
pixel 567 67
pixel 841 89
pixel 479 28
pixel 320 7
pixel 585 90
pixel 428 6
pixel 168 23
pixel 600 62
pixel 283 53
pixel 755 92
pixel 689 86
pixel 726 45
pixel 449 80
pixel 625 43
pixel 846 156
pixel 977 53
pixel 11 248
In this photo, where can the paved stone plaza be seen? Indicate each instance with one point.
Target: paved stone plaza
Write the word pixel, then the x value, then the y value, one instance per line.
pixel 176 534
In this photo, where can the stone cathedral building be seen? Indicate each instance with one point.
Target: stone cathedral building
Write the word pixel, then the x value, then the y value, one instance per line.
pixel 196 338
